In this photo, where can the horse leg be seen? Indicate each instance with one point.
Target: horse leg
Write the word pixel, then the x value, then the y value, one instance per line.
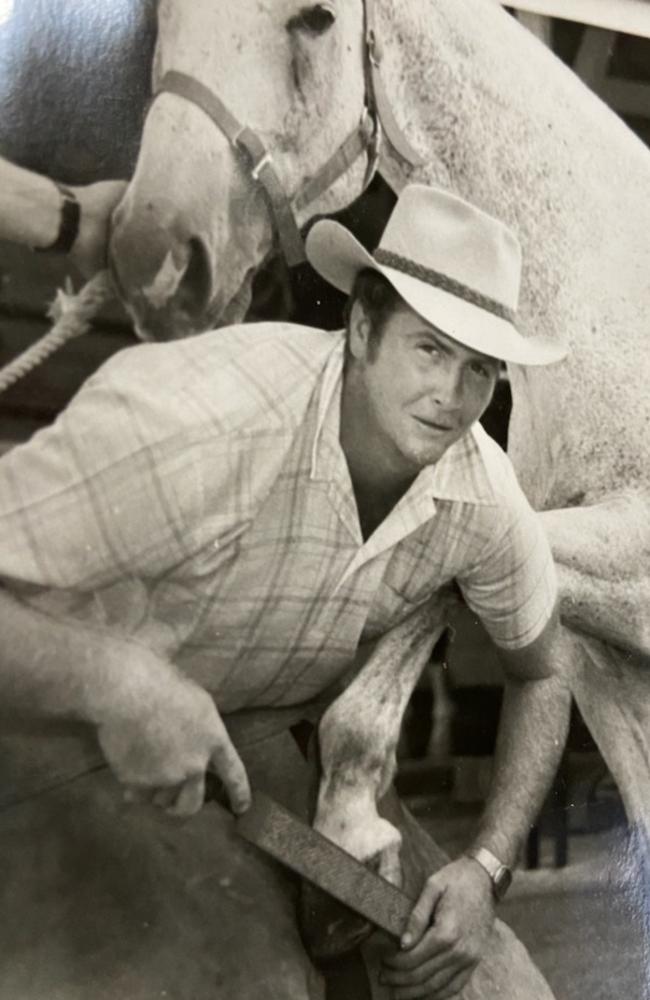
pixel 439 746
pixel 612 691
pixel 602 553
pixel 357 740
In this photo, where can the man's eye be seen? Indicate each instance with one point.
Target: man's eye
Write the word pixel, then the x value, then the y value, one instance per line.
pixel 429 349
pixel 481 370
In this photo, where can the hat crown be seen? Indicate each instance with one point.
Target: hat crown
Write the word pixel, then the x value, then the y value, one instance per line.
pixel 453 264
pixel 440 232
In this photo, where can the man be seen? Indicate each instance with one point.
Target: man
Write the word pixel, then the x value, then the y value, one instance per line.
pixel 242 514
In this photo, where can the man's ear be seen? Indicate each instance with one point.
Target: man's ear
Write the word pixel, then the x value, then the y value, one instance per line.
pixel 358 331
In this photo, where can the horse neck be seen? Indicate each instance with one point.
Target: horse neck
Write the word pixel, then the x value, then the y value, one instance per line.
pixel 497 116
pixel 502 122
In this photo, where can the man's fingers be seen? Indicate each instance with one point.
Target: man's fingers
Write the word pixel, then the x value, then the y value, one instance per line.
pixel 191 797
pixel 421 913
pixel 185 800
pixel 163 798
pixel 445 983
pixel 418 971
pixel 137 795
pixel 456 985
pixel 227 765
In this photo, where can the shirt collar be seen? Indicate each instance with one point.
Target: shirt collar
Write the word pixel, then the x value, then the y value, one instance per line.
pixel 326 452
pixel 465 473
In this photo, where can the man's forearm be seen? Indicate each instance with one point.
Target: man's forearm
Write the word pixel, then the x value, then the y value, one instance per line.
pixel 30 206
pixel 54 667
pixel 156 728
pixel 532 735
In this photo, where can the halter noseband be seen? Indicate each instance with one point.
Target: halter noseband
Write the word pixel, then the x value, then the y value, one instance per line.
pixel 377 119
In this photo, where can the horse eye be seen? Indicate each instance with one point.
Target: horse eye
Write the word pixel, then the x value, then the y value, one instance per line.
pixel 315 20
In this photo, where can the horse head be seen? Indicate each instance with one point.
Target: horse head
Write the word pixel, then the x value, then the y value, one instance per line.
pixel 195 222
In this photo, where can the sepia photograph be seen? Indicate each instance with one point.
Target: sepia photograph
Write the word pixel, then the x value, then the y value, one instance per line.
pixel 324 500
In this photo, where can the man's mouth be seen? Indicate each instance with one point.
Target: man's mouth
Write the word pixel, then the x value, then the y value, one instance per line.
pixel 435 425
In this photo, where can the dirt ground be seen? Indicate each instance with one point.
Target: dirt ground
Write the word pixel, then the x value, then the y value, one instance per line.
pixel 588 944
pixel 580 923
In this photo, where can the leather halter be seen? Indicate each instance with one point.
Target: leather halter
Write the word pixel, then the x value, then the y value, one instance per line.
pixel 377 118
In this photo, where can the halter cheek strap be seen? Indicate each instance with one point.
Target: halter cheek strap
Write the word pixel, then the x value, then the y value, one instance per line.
pixel 376 95
pixel 377 117
pixel 247 142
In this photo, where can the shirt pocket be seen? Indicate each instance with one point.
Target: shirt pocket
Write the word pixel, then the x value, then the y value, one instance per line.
pixel 411 574
pixel 409 579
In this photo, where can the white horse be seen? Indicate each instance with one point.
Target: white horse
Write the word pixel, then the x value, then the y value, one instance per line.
pixel 496 117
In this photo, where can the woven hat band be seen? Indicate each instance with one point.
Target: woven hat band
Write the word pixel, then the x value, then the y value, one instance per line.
pixel 444 282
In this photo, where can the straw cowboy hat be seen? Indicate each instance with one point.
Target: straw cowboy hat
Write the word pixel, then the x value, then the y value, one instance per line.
pixel 456 266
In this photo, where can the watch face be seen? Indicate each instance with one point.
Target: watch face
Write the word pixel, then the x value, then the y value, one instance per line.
pixel 501 881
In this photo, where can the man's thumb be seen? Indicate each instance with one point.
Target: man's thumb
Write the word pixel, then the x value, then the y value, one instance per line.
pixel 227 764
pixel 420 918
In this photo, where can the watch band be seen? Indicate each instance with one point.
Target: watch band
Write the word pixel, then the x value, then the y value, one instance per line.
pixel 68 225
pixel 499 873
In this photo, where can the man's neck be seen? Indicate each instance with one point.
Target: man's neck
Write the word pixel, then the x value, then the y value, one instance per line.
pixel 378 482
pixel 373 506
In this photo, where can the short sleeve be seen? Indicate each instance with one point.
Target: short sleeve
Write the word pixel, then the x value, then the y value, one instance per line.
pixel 512 587
pixel 106 493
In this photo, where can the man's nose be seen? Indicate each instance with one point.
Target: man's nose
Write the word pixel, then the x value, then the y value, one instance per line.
pixel 448 388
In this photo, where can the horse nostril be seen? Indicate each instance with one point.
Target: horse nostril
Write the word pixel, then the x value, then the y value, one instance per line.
pixel 195 290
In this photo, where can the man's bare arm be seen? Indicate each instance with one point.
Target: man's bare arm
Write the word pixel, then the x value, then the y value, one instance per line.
pixel 30 214
pixel 156 728
pixel 532 734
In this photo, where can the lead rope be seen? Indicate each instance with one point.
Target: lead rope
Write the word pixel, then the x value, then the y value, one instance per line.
pixel 72 315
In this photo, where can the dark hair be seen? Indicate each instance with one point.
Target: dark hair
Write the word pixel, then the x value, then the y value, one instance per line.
pixel 376 296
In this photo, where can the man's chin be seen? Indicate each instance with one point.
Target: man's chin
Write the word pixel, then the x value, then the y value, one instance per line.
pixel 432 456
pixel 431 450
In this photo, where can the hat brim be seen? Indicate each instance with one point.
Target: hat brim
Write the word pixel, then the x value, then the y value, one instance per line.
pixel 338 257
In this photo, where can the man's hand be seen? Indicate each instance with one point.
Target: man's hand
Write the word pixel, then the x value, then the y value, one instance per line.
pixel 446 936
pixel 97 203
pixel 162 735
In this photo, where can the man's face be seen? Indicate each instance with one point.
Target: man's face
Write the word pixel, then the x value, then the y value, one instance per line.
pixel 416 390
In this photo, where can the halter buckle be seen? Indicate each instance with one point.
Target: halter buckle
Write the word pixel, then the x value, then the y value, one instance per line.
pixel 375 51
pixel 265 161
pixel 374 148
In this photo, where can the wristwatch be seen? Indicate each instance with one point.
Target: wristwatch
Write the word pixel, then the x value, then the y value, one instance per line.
pixel 500 874
pixel 68 223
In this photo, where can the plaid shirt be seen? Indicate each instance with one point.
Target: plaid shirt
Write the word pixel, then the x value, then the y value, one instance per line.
pixel 195 495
